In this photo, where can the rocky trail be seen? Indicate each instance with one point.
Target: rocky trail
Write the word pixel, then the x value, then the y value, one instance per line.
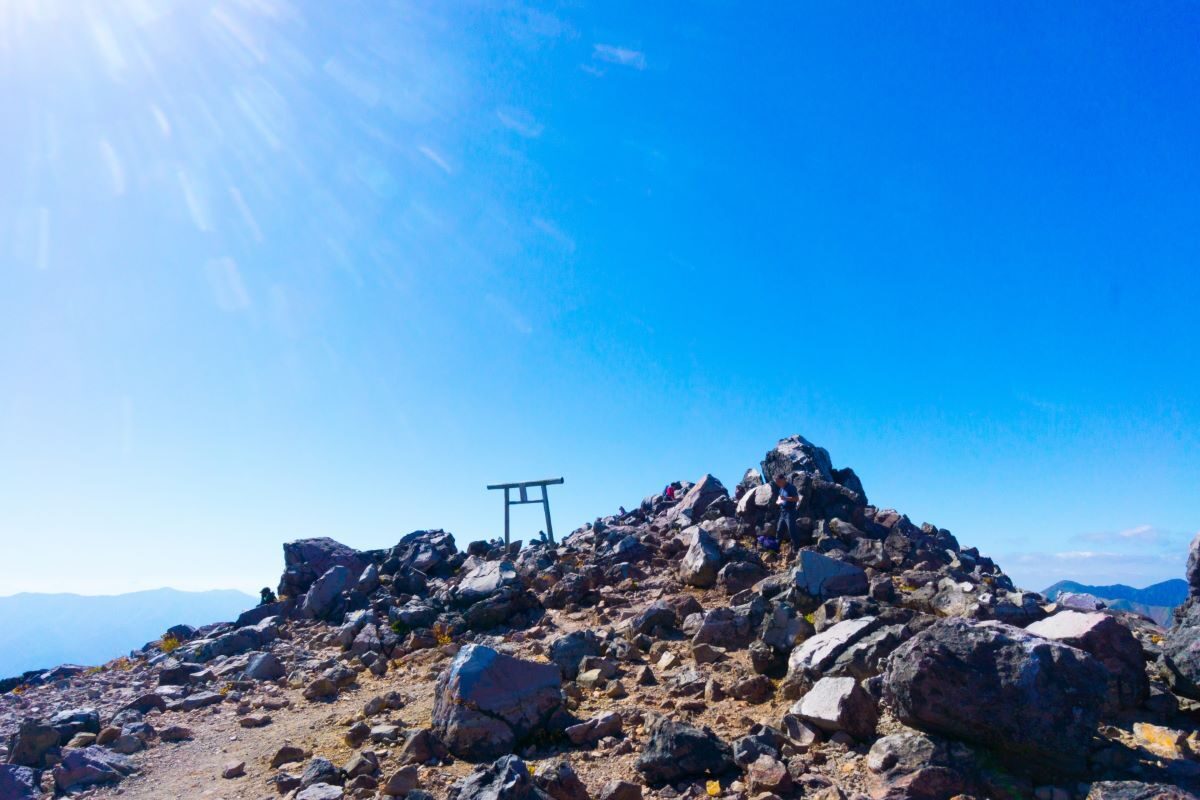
pixel 658 653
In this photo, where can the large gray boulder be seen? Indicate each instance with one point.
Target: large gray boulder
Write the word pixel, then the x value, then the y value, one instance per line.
pixel 818 654
pixel 483 579
pixel 92 765
pixel 18 783
pixel 1035 702
pixel 678 750
pixel 488 702
pixel 1181 650
pixel 702 560
pixel 822 577
pixel 505 779
pixel 1109 641
pixel 35 744
pixel 839 704
pixel 305 560
pixel 703 494
pixel 797 454
pixel 324 597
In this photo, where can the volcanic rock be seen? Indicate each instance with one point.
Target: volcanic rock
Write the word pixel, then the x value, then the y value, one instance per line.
pixel 1034 701
pixel 488 702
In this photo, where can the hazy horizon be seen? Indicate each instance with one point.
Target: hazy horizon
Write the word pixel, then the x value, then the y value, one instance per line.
pixel 282 269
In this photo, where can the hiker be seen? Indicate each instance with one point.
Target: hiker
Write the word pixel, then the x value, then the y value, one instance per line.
pixel 267 596
pixel 669 492
pixel 789 500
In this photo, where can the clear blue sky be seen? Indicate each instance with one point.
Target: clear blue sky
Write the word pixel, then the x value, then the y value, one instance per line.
pixel 273 269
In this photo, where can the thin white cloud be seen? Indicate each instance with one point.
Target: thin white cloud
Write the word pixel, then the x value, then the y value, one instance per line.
pixel 436 158
pixel 623 56
pixel 510 314
pixel 520 122
pixel 226 282
pixel 1139 532
pixel 555 233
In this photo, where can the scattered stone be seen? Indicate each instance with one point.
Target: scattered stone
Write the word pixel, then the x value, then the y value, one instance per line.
pixel 255 721
pixel 505 779
pixel 233 769
pixel 287 754
pixel 678 750
pixel 559 780
pixel 321 689
pixel 401 782
pixel 620 790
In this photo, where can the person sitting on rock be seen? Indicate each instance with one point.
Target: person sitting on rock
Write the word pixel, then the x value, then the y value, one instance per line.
pixel 789 500
pixel 267 596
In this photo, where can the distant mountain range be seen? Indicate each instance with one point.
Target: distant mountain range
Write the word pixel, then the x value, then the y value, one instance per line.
pixel 38 631
pixel 1156 602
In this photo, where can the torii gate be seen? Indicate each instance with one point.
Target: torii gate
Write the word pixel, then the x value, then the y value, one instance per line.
pixel 523 488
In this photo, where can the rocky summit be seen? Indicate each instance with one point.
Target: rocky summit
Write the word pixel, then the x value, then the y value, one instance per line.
pixel 655 653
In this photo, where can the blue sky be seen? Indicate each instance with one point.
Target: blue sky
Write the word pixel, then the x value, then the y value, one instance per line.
pixel 275 269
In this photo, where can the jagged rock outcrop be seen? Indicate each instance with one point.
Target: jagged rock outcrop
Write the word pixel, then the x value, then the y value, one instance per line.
pixel 305 560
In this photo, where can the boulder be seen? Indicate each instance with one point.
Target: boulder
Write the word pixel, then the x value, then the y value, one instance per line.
pixel 797 454
pixel 426 553
pixel 488 702
pixel 1181 650
pixel 92 765
pixel 558 779
pixel 822 577
pixel 817 655
pixel 569 649
pixel 1034 701
pixel 1193 568
pixel 620 790
pixel 1111 643
pixel 324 597
pixel 505 779
pixel 652 620
pixel 737 576
pixel 320 791
pixel 703 494
pixel 35 745
pixel 839 704
pixel 306 560
pixel 19 783
pixel 264 667
pixel 1136 790
pixel 75 720
pixel 483 579
pixel 677 750
pixel 595 729
pixel 913 766
pixel 701 560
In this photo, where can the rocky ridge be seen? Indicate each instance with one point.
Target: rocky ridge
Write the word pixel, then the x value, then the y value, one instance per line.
pixel 657 653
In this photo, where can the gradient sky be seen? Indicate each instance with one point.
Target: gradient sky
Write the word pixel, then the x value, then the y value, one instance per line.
pixel 273 269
